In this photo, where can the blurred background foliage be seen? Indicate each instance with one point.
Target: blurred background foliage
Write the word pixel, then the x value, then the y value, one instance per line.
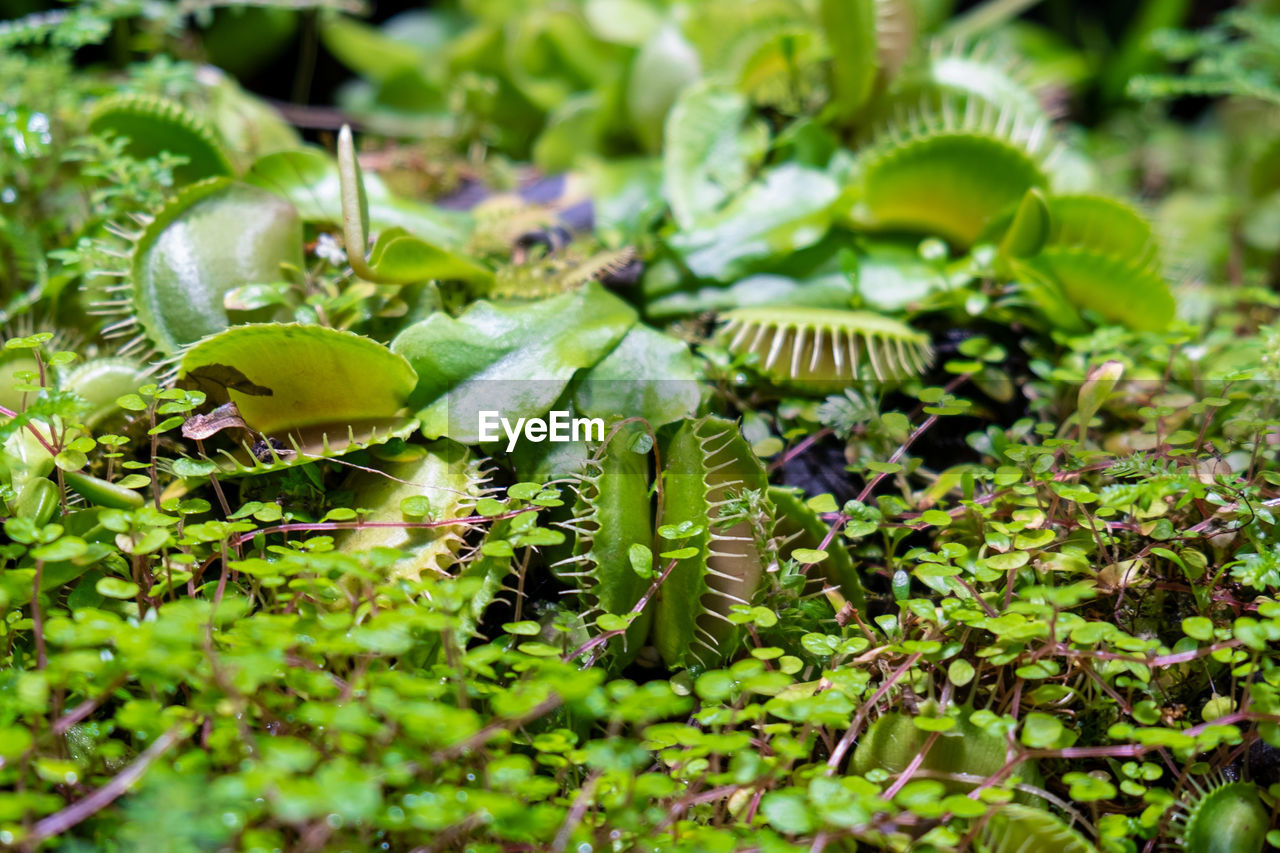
pixel 291 55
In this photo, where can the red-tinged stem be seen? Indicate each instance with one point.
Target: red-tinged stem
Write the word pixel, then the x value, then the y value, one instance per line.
pixel 59 822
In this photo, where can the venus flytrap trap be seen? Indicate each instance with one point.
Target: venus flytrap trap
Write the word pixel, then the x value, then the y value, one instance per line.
pixel 818 349
pixel 612 533
pixel 708 467
pixel 153 125
pixel 441 483
pixel 301 392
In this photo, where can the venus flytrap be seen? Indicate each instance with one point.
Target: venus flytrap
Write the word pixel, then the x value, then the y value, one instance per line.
pixel 302 392
pixel 993 621
pixel 154 125
pixel 708 464
pixel 612 533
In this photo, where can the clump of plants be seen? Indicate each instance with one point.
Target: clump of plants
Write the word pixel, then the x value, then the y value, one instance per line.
pixel 919 484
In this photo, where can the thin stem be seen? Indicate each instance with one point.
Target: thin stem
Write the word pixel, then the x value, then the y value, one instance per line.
pixel 855 727
pixel 905 776
pixel 59 822
pixel 31 428
pixel 809 441
pixel 481 737
pixel 317 526
pixel 597 642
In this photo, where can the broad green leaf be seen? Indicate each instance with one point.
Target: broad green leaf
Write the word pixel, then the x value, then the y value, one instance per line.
pixel 398 256
pixel 308 177
pixel 787 210
pixel 512 359
pixel 648 375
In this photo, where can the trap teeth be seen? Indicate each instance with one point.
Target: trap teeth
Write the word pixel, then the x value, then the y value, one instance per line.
pixel 823 348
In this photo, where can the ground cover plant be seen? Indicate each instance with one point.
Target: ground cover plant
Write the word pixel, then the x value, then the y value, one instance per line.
pixel 918 365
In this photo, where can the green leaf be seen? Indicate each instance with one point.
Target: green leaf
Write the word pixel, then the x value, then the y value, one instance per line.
pixel 664 66
pixel 192 468
pixel 368 50
pixel 497 548
pixel 1095 391
pixel 152 540
pixel 641 560
pixel 787 210
pixel 524 491
pixel 116 588
pixel 822 504
pixel 612 622
pixel 622 21
pixel 936 517
pixel 14 741
pixel 683 530
pixel 1087 788
pixel 788 811
pixel 66 548
pixel 934 724
pixel 1104 256
pixel 102 493
pixel 648 375
pixel 1041 731
pixel 38 501
pixel 1251 632
pixel 1198 627
pixel 311 376
pixel 397 257
pixel 960 672
pixel 154 125
pixel 512 359
pixel 1030 227
pixel 1011 560
pixel 1218 706
pixel 213 237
